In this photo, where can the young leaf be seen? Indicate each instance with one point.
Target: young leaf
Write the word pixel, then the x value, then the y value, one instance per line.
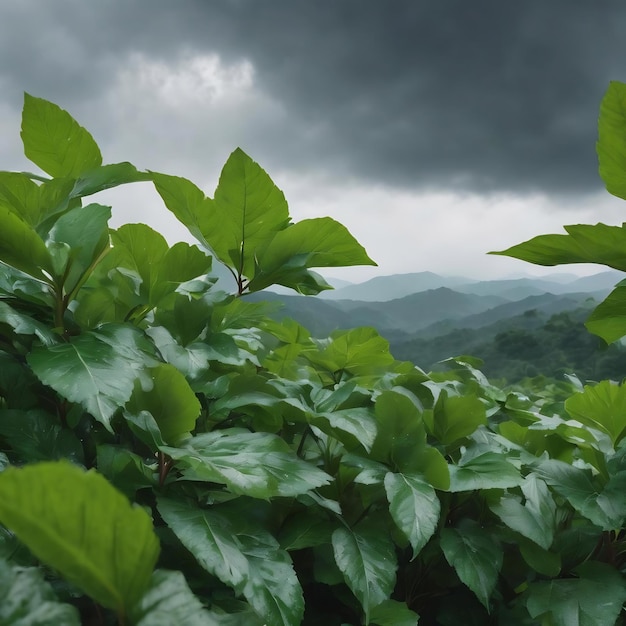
pixel 365 555
pixel 55 142
pixel 593 599
pixel 78 524
pixel 259 465
pixel 414 507
pixel 601 406
pixel 535 518
pixel 611 145
pixel 170 400
pixel 26 599
pixel 246 558
pixel 476 557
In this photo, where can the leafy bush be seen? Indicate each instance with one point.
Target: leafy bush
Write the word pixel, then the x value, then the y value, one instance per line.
pixel 171 455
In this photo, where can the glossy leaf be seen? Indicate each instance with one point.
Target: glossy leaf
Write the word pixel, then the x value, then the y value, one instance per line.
pixel 247 559
pixel 593 599
pixel 259 465
pixel 170 400
pixel 456 417
pixel 55 142
pixel 169 600
pixel 414 507
pixel 366 557
pixel 97 369
pixel 78 524
pixel 535 517
pixel 475 556
pixel 602 407
pixel 23 324
pixel 488 470
pixel 26 599
pixel 608 319
pixel 393 613
pixel 584 243
pixel 611 144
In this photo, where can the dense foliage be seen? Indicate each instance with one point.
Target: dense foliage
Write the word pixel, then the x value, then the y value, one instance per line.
pixel 171 455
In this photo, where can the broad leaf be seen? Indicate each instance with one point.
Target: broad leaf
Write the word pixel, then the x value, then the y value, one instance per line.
pixel 393 613
pixel 608 319
pixel 55 142
pixel 611 145
pixel 476 557
pixel 414 507
pixel 246 558
pixel 21 195
pixel 366 557
pixel 106 177
pixel 170 400
pixel 584 243
pixel 259 465
pixel 26 599
pixel 169 600
pixel 77 523
pixel 23 324
pixel 97 369
pixel 488 470
pixel 593 599
pixel 602 407
pixel 535 517
pixel 456 417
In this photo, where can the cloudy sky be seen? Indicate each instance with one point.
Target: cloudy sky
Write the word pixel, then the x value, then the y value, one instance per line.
pixel 435 130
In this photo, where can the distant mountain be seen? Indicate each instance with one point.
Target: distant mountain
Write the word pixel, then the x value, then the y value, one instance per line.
pixel 385 288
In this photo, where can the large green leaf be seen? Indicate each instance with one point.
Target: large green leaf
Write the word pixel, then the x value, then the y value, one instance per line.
pixel 26 599
pixel 455 417
pixel 240 554
pixel 476 557
pixel 393 613
pixel 584 243
pixel 489 470
pixel 601 406
pixel 169 600
pixel 414 507
pixel 77 523
pixel 535 517
pixel 259 465
pixel 55 142
pixel 23 324
pixel 86 231
pixel 366 557
pixel 608 319
pixel 611 145
pixel 97 369
pixel 320 242
pixel 106 177
pixel 170 400
pixel 593 599
pixel 21 195
pixel 21 247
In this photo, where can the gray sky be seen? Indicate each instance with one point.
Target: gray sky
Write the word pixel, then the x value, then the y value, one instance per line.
pixel 434 130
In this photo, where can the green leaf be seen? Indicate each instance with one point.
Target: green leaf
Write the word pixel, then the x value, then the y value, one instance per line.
pixel 488 470
pixel 23 324
pixel 26 599
pixel 305 530
pixel 259 465
pixel 21 195
pixel 535 517
pixel 21 247
pixel 170 400
pixel 457 417
pixel 55 142
pixel 608 319
pixel 241 555
pixel 106 177
pixel 366 557
pixel 393 613
pixel 593 599
pixel 86 231
pixel 320 242
pixel 584 243
pixel 414 507
pixel 78 524
pixel 97 369
pixel 169 600
pixel 543 561
pixel 611 144
pixel 475 556
pixel 602 407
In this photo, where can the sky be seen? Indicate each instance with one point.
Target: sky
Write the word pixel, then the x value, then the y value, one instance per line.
pixel 435 130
